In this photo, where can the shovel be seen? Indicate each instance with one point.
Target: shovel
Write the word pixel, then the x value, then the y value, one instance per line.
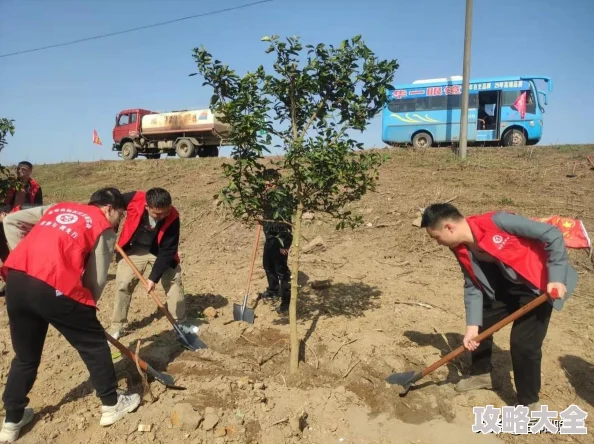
pixel 241 312
pixel 163 378
pixel 189 340
pixel 407 379
pixel 572 174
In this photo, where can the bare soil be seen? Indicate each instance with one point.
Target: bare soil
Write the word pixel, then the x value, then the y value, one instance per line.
pixel 380 299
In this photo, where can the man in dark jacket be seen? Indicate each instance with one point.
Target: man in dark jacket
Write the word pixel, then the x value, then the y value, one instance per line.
pixel 507 261
pixel 279 237
pixel 150 238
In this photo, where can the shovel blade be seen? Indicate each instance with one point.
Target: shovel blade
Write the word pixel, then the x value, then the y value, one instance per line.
pixel 163 378
pixel 248 314
pixel 406 380
pixel 189 340
pixel 402 379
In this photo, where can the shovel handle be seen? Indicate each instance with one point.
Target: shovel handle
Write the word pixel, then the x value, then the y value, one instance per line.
pixel 488 332
pixel 129 354
pixel 253 259
pixel 144 282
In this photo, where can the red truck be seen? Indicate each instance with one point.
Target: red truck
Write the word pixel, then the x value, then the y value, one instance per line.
pixel 187 133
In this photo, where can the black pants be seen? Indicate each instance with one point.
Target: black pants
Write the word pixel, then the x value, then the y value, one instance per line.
pixel 32 305
pixel 276 267
pixel 527 335
pixel 4 250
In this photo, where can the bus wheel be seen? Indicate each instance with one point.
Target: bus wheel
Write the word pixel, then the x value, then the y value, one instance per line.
pixel 422 140
pixel 514 137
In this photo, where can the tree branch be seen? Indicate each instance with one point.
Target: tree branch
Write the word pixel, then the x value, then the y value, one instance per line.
pixel 312 118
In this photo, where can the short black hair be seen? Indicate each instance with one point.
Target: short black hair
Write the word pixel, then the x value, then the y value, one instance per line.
pixel 24 162
pixel 436 213
pixel 158 198
pixel 108 196
pixel 271 174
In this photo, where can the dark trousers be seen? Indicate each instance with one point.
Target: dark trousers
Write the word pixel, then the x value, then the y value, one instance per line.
pixel 4 250
pixel 276 267
pixel 32 305
pixel 527 335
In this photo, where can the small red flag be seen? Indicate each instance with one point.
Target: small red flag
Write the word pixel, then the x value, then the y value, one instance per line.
pixel 96 138
pixel 520 104
pixel 573 230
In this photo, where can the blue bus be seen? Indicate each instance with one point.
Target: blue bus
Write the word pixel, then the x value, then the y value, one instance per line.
pixel 504 111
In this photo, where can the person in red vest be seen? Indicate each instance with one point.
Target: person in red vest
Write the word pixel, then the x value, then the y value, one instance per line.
pixel 55 273
pixel 31 192
pixel 30 195
pixel 507 261
pixel 150 238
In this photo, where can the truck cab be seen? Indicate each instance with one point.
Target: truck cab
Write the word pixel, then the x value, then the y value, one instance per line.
pixel 128 124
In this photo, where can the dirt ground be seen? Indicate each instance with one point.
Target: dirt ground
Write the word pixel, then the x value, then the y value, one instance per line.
pixel 379 299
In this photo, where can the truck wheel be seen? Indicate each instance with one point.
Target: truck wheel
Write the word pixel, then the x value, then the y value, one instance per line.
pixel 514 137
pixel 422 140
pixel 129 151
pixel 184 148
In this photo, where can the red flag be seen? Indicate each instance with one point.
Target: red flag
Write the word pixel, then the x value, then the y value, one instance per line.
pixel 573 230
pixel 520 104
pixel 96 138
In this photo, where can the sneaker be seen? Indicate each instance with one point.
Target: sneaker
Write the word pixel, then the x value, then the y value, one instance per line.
pixel 284 306
pixel 269 294
pixel 126 404
pixel 116 333
pixel 476 382
pixel 534 407
pixel 10 431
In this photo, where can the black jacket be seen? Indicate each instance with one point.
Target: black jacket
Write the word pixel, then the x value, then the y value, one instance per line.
pixel 281 205
pixel 165 252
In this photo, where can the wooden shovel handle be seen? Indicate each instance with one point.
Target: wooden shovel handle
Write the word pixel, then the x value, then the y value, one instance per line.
pixel 253 258
pixel 144 282
pixel 488 332
pixel 131 355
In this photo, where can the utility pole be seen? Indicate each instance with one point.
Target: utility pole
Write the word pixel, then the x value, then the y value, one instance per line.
pixel 465 81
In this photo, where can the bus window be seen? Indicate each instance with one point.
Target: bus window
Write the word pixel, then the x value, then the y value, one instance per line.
pixel 509 97
pixel 433 103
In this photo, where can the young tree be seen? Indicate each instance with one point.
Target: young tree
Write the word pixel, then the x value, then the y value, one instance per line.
pixel 7 180
pixel 309 104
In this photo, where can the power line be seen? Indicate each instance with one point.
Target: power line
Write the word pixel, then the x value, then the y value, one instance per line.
pixel 233 8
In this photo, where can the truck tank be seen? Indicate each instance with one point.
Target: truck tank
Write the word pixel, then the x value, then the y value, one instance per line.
pixel 191 121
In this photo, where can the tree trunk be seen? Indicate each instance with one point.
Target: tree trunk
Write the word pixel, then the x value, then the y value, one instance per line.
pixel 296 250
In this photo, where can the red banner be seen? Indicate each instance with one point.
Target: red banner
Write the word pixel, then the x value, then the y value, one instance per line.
pixel 574 232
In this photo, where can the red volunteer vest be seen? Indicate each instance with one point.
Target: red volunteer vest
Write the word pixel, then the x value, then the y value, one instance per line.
pixel 526 256
pixel 134 214
pixel 56 250
pixel 33 191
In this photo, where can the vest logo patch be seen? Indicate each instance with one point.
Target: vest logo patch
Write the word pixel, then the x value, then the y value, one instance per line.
pixel 66 219
pixel 500 241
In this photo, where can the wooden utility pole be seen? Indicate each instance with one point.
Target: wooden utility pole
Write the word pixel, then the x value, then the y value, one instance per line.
pixel 465 81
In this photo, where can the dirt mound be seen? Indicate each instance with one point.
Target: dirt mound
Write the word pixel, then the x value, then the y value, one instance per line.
pixel 378 299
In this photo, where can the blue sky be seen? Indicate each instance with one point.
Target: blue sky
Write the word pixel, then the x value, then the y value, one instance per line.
pixel 58 96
